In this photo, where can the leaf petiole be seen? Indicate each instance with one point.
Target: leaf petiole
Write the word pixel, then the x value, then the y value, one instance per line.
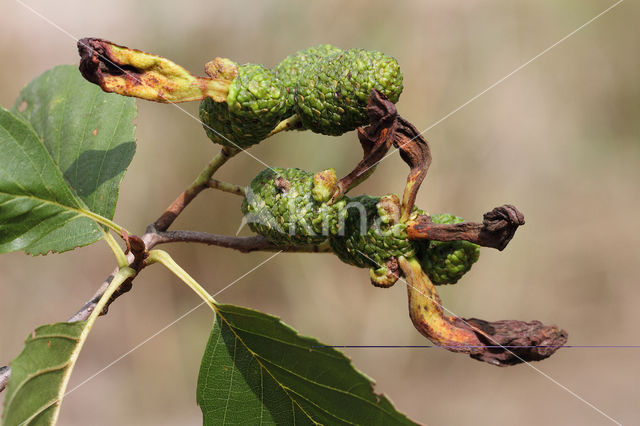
pixel 121 258
pixel 102 220
pixel 161 256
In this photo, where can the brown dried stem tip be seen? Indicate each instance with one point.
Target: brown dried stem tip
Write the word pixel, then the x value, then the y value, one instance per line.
pixel 387 128
pixel 131 72
pixel 500 343
pixel 496 230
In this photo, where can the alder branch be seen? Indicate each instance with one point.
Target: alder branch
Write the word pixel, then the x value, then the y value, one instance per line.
pixel 138 250
pixel 81 315
pixel 242 244
pixel 138 247
pixel 5 372
pixel 137 253
pixel 496 231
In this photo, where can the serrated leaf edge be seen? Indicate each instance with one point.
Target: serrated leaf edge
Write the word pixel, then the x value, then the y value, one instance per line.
pixel 258 359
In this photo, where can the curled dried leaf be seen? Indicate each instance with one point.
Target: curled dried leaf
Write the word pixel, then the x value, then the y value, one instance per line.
pixel 500 343
pixel 387 128
pixel 131 72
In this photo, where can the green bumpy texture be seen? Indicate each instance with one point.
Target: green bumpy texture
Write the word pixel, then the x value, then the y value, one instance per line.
pixel 281 207
pixel 331 93
pixel 364 240
pixel 256 103
pixel 326 86
pixel 446 263
pixel 291 68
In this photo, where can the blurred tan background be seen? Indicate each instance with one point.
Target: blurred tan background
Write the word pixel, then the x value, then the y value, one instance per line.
pixel 559 139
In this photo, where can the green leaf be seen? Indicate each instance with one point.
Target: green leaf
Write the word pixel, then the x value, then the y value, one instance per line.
pixel 40 374
pixel 89 133
pixel 257 370
pixel 38 210
pixel 61 162
pixel 36 373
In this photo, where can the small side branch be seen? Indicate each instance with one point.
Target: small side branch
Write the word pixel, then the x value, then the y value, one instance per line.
pixel 496 230
pixel 200 183
pixel 227 187
pixel 242 244
pixel 83 313
pixel 5 373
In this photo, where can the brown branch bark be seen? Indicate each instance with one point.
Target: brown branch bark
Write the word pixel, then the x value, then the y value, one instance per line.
pixel 138 249
pixel 242 244
pixel 5 373
pixel 387 128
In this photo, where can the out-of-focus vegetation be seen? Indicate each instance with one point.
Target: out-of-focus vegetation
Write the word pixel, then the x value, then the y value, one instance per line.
pixel 560 139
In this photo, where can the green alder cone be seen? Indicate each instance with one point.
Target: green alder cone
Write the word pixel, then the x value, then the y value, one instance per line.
pixel 380 240
pixel 323 88
pixel 331 93
pixel 446 263
pixel 289 206
pixel 256 103
pixel 291 68
pixel 372 236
